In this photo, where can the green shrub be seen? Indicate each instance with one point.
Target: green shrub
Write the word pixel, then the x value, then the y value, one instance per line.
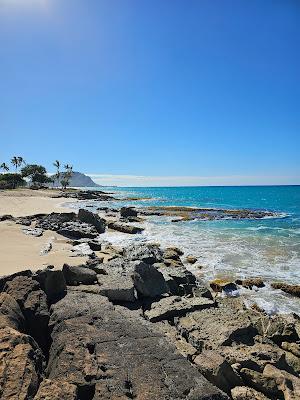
pixel 11 181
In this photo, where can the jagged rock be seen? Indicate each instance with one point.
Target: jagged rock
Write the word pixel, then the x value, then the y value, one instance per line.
pixel 82 250
pixel 26 221
pixel 56 390
pixel 117 287
pixel 77 230
pixel 250 282
pixel 148 281
pixel 170 262
pixel 116 226
pixel 293 290
pixel 10 313
pixel 128 212
pixel 6 217
pixel 92 219
pixel 287 383
pixel 37 232
pixel 291 347
pixel 53 283
pixel 217 370
pixel 191 259
pixel 293 362
pixel 6 278
pixel 246 393
pixel 260 382
pixel 21 363
pixel 149 254
pixel 54 221
pixel 175 277
pixel 176 249
pixel 172 253
pixel 77 274
pixel 256 356
pixel 20 287
pixel 174 306
pixel 219 285
pixel 278 328
pixel 201 290
pixel 214 327
pixel 94 244
pixel 123 357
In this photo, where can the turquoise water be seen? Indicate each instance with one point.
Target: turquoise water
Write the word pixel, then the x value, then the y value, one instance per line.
pixel 269 248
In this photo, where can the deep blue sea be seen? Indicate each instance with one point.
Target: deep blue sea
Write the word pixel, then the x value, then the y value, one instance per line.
pixel 269 248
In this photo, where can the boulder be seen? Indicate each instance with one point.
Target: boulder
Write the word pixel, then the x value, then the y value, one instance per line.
pixel 220 285
pixel 6 217
pixel 287 383
pixel 37 232
pixel 174 306
pixel 53 283
pixel 191 259
pixel 123 357
pixel 217 370
pixel 225 325
pixel 291 347
pixel 250 282
pixel 293 290
pixel 92 219
pixel 10 313
pixel 82 250
pixel 278 328
pixel 148 281
pixel 56 390
pixel 21 365
pixel 256 356
pixel 77 230
pixel 117 287
pixel 54 221
pixel 117 226
pixel 147 253
pixel 95 245
pixel 246 393
pixel 128 212
pixel 260 382
pixel 78 274
pixel 20 287
pixel 6 278
pixel 172 253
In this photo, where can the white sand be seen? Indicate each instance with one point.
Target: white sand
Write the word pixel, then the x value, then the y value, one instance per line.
pixel 19 251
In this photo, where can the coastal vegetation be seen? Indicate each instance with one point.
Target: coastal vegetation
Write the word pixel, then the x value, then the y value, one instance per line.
pixel 34 175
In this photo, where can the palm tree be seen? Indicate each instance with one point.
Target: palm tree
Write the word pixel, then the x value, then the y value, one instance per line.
pixel 56 164
pixel 4 167
pixel 17 162
pixel 67 175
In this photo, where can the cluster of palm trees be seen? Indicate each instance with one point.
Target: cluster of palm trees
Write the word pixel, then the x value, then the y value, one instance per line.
pixel 16 161
pixel 63 177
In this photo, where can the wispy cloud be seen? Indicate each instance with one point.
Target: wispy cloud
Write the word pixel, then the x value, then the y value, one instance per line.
pixel 141 180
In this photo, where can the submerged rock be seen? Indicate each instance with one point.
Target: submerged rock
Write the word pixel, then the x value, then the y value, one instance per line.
pixel 293 290
pixel 128 212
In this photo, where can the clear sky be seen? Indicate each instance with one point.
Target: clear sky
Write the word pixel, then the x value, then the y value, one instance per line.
pixel 153 92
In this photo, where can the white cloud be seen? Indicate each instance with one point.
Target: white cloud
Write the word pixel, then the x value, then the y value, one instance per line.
pixel 140 180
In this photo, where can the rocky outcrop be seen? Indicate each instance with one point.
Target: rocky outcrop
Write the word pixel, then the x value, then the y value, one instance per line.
pixel 21 365
pixel 10 313
pixel 128 212
pixel 33 303
pixel 92 219
pixel 294 290
pixel 56 390
pixel 78 230
pixel 124 228
pixel 174 306
pixel 148 281
pixel 123 357
pixel 77 274
pixel 149 254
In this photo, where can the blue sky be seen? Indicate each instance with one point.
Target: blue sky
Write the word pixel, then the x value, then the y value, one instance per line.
pixel 153 91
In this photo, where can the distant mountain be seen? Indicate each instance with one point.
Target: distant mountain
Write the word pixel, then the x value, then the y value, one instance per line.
pixel 78 180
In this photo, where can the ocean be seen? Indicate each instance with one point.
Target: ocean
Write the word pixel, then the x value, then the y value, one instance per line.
pixel 267 248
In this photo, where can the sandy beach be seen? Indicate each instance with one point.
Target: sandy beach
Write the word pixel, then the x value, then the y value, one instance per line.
pixel 19 251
